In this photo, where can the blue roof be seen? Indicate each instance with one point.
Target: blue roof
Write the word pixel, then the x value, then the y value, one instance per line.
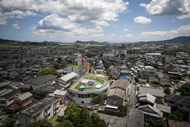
pixel 124 77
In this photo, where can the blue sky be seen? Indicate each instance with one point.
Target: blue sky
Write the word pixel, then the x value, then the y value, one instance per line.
pixel 99 20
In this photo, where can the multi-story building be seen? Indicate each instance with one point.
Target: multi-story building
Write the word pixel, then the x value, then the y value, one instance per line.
pixel 7 97
pixel 148 73
pixel 82 61
pixel 164 59
pixel 43 109
pixel 38 51
pixel 75 68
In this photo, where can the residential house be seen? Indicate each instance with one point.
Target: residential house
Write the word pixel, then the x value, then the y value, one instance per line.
pixel 179 102
pixel 117 94
pixel 146 103
pixel 40 81
pixel 114 74
pixel 155 91
pixel 20 101
pixel 7 97
pixel 164 79
pixel 43 109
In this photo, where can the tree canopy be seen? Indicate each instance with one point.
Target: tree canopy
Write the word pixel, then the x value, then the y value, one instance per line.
pixel 177 116
pixel 167 90
pixel 77 117
pixel 40 123
pixel 156 82
pixel 185 89
pixel 46 71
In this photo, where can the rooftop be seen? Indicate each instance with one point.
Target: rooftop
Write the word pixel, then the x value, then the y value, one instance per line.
pixel 24 96
pixel 158 92
pixel 75 66
pixel 32 110
pixel 69 76
pixel 41 79
pixel 60 92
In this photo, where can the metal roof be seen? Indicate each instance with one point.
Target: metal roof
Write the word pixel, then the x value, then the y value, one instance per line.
pixel 69 76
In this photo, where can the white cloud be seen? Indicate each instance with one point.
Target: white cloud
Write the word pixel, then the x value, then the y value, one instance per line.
pixel 121 35
pixel 14 14
pixel 112 35
pixel 142 20
pixel 102 23
pixel 129 35
pixel 79 11
pixel 184 29
pixel 143 5
pixel 179 8
pixel 54 25
pixel 125 29
pixel 15 26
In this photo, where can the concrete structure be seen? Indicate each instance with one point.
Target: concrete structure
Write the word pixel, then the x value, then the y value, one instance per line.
pixel 40 81
pixel 7 97
pixel 164 59
pixel 45 108
pixel 85 95
pixel 61 94
pixel 148 73
pixel 108 54
pixel 66 79
pixel 38 51
pixel 75 68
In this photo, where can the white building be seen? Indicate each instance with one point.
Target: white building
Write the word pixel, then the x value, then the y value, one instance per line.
pixel 66 79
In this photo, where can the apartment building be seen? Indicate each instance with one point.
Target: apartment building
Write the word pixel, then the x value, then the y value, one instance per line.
pixel 38 51
pixel 164 59
pixel 148 73
pixel 43 109
pixel 75 68
pixel 7 97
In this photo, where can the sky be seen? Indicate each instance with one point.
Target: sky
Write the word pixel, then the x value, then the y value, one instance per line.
pixel 97 20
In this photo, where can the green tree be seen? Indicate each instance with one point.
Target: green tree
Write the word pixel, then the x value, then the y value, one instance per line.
pixel 167 90
pixel 65 123
pixel 59 60
pixel 136 79
pixel 72 82
pixel 40 123
pixel 43 94
pixel 71 112
pixel 56 66
pixel 177 116
pixel 46 71
pixel 156 82
pixel 185 89
pixel 155 123
pixel 9 122
pixel 123 108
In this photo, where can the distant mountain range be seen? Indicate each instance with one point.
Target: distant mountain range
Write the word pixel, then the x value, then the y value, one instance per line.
pixel 178 40
pixel 91 42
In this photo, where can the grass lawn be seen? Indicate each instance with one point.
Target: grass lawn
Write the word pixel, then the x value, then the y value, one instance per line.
pixel 53 120
pixel 77 87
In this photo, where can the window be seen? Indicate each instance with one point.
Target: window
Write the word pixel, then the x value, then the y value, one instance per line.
pixel 180 105
pixel 172 102
pixel 187 106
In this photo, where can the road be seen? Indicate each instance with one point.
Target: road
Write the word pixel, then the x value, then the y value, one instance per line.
pixel 132 99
